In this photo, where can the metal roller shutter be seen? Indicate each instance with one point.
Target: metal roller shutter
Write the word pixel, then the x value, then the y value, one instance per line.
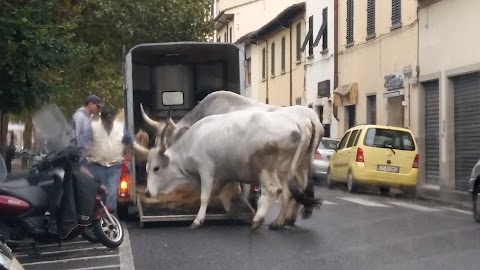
pixel 432 162
pixel 467 126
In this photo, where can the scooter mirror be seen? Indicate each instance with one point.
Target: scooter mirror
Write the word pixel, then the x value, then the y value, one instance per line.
pixel 3 169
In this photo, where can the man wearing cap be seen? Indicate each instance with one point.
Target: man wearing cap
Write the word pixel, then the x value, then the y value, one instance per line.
pixel 82 121
pixel 106 153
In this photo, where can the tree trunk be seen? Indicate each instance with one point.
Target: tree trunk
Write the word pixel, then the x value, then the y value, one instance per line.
pixel 3 133
pixel 27 135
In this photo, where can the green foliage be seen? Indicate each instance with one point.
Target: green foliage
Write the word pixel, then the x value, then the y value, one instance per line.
pixel 63 50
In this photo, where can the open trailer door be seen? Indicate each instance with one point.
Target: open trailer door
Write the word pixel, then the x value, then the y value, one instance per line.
pixel 179 74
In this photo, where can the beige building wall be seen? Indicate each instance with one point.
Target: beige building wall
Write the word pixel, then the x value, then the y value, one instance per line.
pixel 249 15
pixel 279 83
pixel 366 62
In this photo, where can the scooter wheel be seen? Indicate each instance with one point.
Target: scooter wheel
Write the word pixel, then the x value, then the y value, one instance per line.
pixel 89 235
pixel 110 235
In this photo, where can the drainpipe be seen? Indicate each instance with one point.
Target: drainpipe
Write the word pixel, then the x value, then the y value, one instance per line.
pixel 335 44
pixel 266 71
pixel 291 68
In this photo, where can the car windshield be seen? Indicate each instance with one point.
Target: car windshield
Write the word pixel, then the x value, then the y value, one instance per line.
pixel 328 144
pixel 389 138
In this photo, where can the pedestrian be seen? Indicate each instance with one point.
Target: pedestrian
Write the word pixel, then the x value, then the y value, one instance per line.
pixel 106 153
pixel 10 154
pixel 82 122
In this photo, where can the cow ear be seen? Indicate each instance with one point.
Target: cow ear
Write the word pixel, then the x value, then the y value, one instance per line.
pixel 182 131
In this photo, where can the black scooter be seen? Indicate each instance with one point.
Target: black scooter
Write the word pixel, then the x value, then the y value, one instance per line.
pixel 56 201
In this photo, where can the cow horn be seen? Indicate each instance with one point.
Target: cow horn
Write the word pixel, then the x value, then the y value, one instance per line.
pixel 140 149
pixel 169 118
pixel 150 121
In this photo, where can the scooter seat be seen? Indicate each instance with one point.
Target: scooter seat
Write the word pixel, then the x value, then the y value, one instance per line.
pixel 21 189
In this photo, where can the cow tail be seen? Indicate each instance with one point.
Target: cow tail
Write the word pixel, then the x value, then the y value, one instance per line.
pixel 307 198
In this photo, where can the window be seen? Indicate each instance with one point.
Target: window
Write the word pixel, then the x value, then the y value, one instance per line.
pixel 372 109
pixel 370 19
pixel 225 36
pixel 231 31
pixel 308 38
pixel 249 72
pixel 352 138
pixel 272 67
pixel 343 142
pixel 322 33
pixel 263 63
pixel 389 138
pixel 299 41
pixel 396 13
pixel 349 22
pixel 283 54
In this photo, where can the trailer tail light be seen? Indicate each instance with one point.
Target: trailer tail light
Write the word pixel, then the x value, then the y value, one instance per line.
pixel 124 179
pixel 317 156
pixel 415 162
pixel 360 157
pixel 255 188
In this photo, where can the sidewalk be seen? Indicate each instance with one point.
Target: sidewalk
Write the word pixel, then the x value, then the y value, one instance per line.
pixel 455 198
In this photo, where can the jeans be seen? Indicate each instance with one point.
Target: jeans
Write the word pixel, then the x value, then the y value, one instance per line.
pixel 110 177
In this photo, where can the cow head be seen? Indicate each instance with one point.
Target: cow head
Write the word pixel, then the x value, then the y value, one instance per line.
pixel 163 174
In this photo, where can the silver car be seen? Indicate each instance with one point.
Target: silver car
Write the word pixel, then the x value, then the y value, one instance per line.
pixel 322 156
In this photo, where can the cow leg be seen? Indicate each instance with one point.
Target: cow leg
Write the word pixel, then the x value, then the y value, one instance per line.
pixel 273 188
pixel 280 221
pixel 206 186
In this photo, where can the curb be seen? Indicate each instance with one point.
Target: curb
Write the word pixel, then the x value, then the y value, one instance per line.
pixel 459 205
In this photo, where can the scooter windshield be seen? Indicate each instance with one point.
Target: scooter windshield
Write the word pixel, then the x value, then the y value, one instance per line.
pixel 3 169
pixel 52 131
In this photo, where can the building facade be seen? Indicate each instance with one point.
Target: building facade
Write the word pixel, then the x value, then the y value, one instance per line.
pixel 280 74
pixel 377 63
pixel 319 47
pixel 236 18
pixel 449 61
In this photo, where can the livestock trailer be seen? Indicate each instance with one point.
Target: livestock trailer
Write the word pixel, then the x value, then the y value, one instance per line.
pixel 177 74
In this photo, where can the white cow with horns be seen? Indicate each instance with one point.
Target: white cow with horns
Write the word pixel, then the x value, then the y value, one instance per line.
pixel 220 102
pixel 248 146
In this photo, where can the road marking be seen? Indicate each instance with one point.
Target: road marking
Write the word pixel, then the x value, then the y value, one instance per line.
pixel 416 207
pixel 67 250
pixel 363 202
pixel 52 245
pixel 458 210
pixel 97 267
pixel 126 257
pixel 72 259
pixel 328 202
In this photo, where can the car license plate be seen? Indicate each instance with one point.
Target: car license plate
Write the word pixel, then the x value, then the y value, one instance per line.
pixel 385 168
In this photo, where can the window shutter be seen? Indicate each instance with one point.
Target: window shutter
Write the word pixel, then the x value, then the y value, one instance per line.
pixel 310 37
pixel 396 12
pixel 371 17
pixel 283 54
pixel 349 21
pixel 263 63
pixel 272 68
pixel 299 41
pixel 325 30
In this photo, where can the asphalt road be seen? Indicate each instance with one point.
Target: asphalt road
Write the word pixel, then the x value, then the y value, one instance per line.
pixel 349 232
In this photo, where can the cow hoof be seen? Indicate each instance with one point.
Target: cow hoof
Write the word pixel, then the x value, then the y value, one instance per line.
pixel 290 222
pixel 275 227
pixel 256 224
pixel 195 225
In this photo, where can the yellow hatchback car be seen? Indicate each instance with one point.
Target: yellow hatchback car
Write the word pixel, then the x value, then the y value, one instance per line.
pixel 376 155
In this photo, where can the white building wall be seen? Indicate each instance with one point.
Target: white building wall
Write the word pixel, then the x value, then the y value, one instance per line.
pixel 321 66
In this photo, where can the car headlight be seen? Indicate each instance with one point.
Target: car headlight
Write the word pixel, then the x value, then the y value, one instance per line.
pixel 5 261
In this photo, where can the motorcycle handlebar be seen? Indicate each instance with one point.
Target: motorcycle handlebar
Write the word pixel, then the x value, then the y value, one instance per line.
pixel 57 158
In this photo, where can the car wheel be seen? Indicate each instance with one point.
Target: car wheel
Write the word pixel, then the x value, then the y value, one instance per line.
pixel 351 186
pixel 384 191
pixel 476 204
pixel 329 181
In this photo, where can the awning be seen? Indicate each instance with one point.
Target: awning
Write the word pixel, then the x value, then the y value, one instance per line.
pixel 346 93
pixel 222 19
